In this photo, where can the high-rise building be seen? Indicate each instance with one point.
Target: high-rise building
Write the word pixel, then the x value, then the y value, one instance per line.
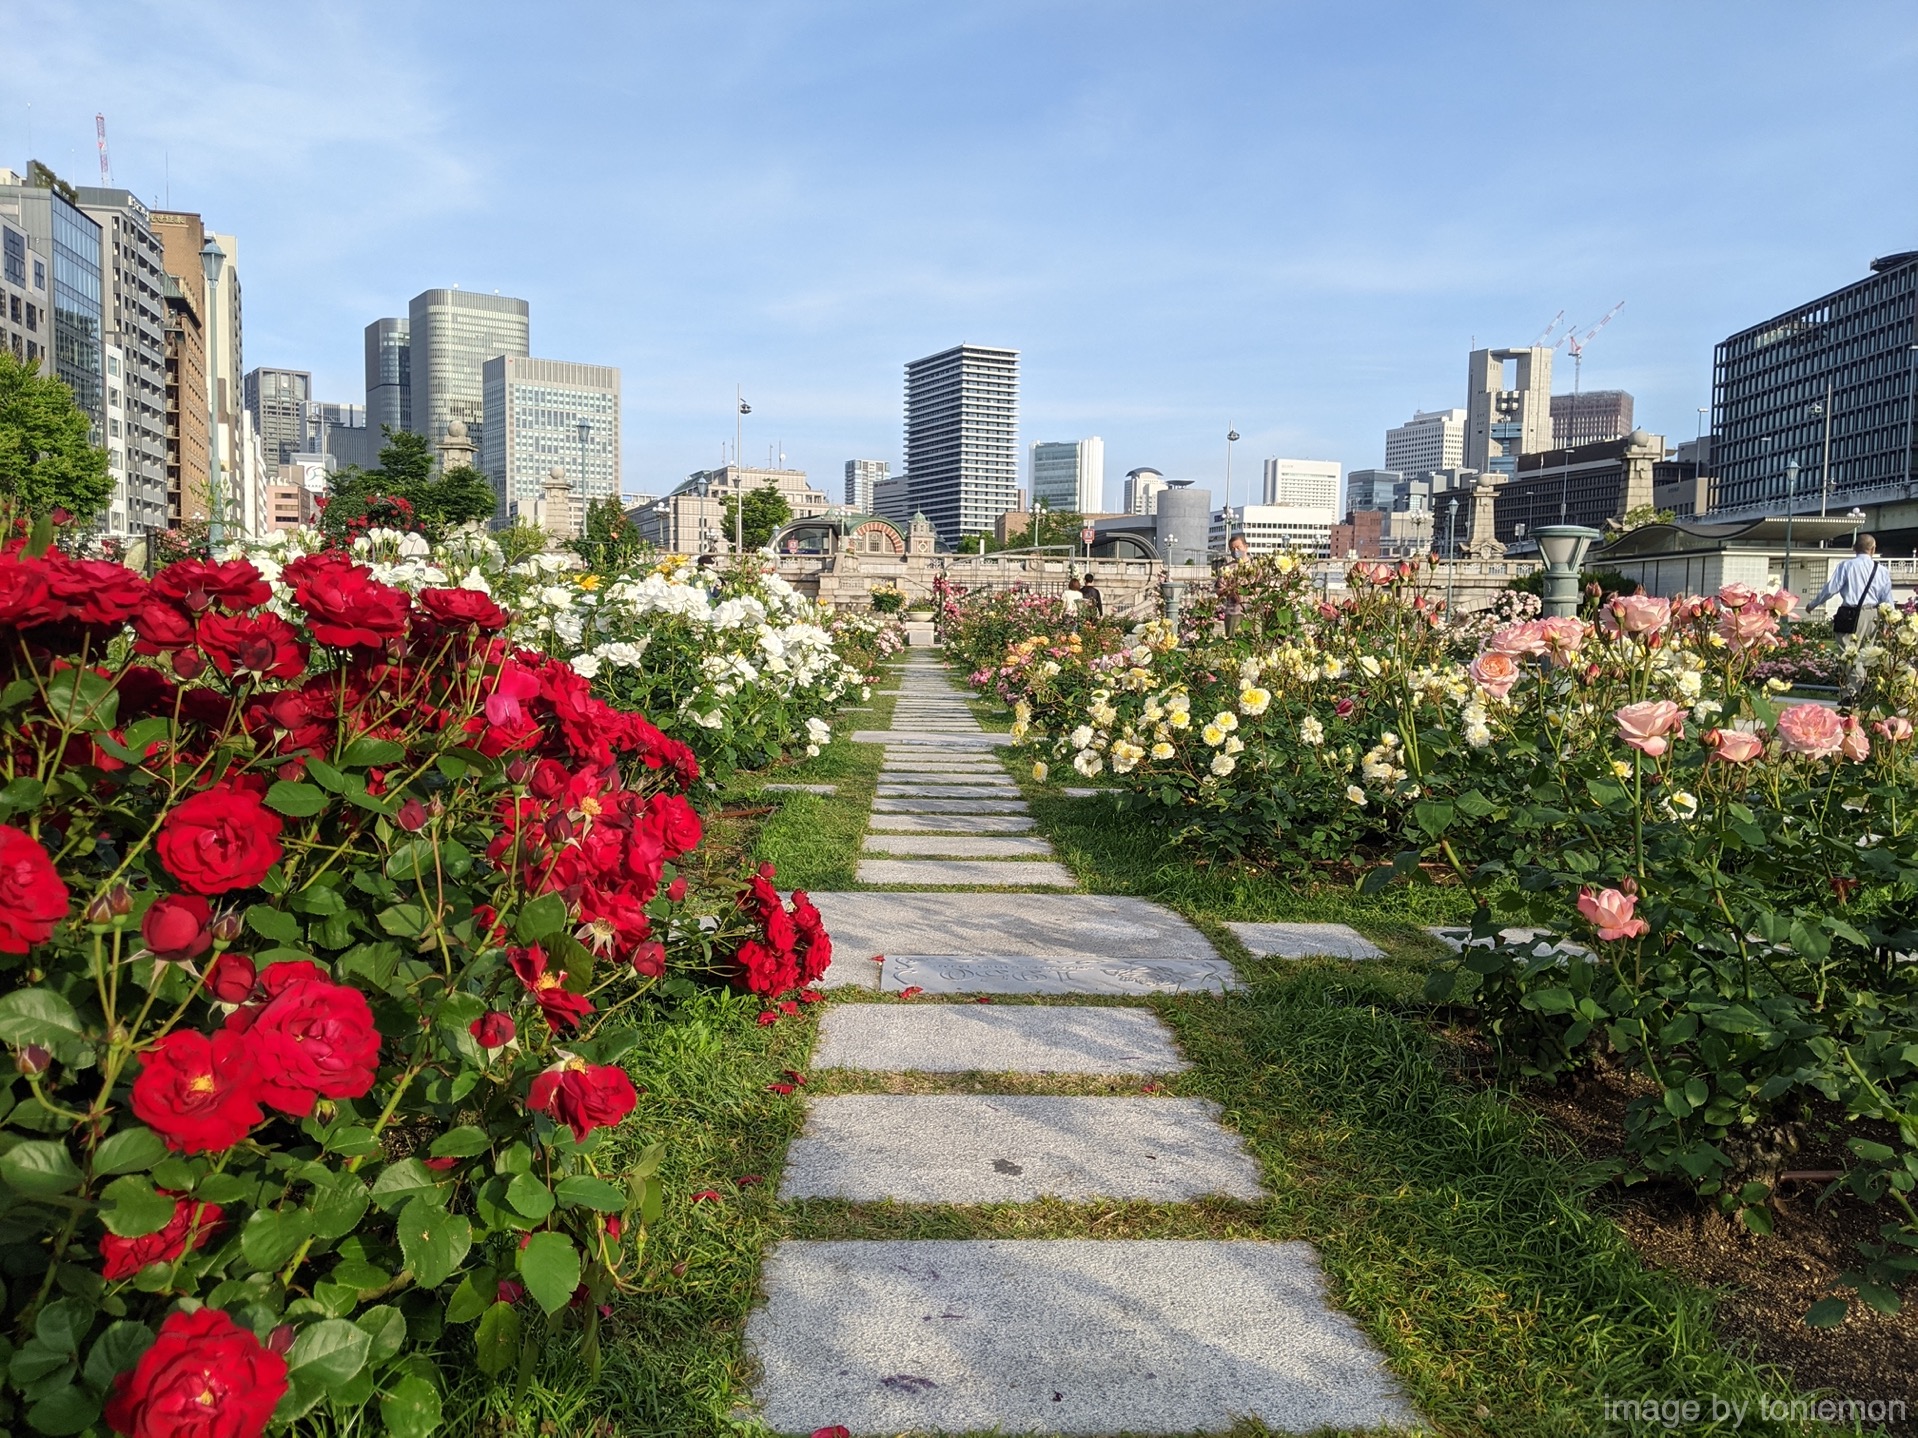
pixel 1372 489
pixel 1070 477
pixel 544 414
pixel 1142 489
pixel 1508 403
pixel 962 438
pixel 26 313
pixel 47 212
pixel 278 400
pixel 861 476
pixel 1770 385
pixel 1431 439
pixel 1304 484
pixel 892 499
pixel 1590 418
pixel 133 315
pixel 186 412
pixel 389 377
pixel 451 334
pixel 183 235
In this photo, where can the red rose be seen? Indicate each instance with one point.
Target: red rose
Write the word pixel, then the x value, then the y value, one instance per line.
pixel 312 1039
pixel 199 1093
pixel 678 825
pixel 676 891
pixel 222 838
pixel 198 584
pixel 815 944
pixel 92 591
pixel 583 1096
pixel 464 606
pixel 561 1008
pixel 764 970
pixel 33 901
pixel 175 928
pixel 649 960
pixel 346 606
pixel 231 978
pixel 24 599
pixel 124 1257
pixel 204 1377
pixel 160 628
pixel 492 1029
pixel 263 645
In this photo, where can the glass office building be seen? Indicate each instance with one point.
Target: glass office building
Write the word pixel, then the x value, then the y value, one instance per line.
pixel 389 376
pixel 58 229
pixel 542 414
pixel 451 336
pixel 962 438
pixel 1770 384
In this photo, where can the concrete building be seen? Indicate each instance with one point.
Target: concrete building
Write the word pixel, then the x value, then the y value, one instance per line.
pixel 892 499
pixel 451 334
pixel 26 312
pixel 1508 404
pixel 183 234
pixel 186 411
pixel 1430 439
pixel 691 520
pixel 861 476
pixel 962 438
pixel 1771 383
pixel 389 376
pixel 543 413
pixel 1590 484
pixel 1142 489
pixel 46 211
pixel 1372 488
pixel 1069 477
pixel 1590 418
pixel 1360 536
pixel 133 317
pixel 278 401
pixel 1304 484
pixel 1268 528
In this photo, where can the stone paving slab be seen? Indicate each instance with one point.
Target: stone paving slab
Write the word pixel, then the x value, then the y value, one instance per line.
pixel 1065 1336
pixel 1001 873
pixel 928 763
pixel 800 788
pixel 982 739
pixel 1015 1148
pixel 958 846
pixel 1055 974
pixel 1456 937
pixel 1306 941
pixel 982 788
pixel 951 823
pixel 1076 792
pixel 1020 1039
pixel 948 806
pixel 1093 926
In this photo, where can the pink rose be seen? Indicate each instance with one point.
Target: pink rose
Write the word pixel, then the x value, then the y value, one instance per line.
pixel 1745 628
pixel 1635 614
pixel 1897 728
pixel 1562 636
pixel 1518 639
pixel 1856 745
pixel 1646 724
pixel 1734 746
pixel 1811 729
pixel 1736 596
pixel 1781 602
pixel 1495 673
pixel 1610 912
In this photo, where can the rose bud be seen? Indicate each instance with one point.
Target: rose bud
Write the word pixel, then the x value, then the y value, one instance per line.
pixel 121 898
pixel 99 911
pixel 511 1290
pixel 493 1030
pixel 187 663
pixel 32 1059
pixel 280 1339
pixel 176 928
pixel 291 770
pixel 226 928
pixel 649 960
pixel 517 771
pixel 549 780
pixel 614 1228
pixel 230 978
pixel 676 891
pixel 412 816
pixel 559 828
pixel 435 806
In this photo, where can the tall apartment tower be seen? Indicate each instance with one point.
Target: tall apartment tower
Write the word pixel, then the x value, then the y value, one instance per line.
pixel 451 336
pixel 183 235
pixel 962 438
pixel 134 324
pixel 279 400
pixel 1142 489
pixel 1508 405
pixel 1304 483
pixel 543 415
pixel 1432 439
pixel 862 475
pixel 1594 417
pixel 47 211
pixel 26 323
pixel 389 377
pixel 1070 477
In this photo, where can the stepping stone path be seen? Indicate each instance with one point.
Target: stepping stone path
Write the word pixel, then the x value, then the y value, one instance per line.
pixel 1065 1336
pixel 800 788
pixel 1306 941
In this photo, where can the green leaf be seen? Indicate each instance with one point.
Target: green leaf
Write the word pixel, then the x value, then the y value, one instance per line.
pixel 131 1150
pixel 550 1265
pixel 582 1190
pixel 330 1351
pixel 273 923
pixel 1433 816
pixel 1880 1296
pixel 402 1181
pixel 433 1241
pixel 1827 1313
pixel 270 1237
pixel 296 801
pixel 496 1343
pixel 115 1351
pixel 64 1411
pixel 461 1142
pixel 338 1205
pixel 131 1209
pixel 327 777
pixel 80 699
pixel 545 915
pixel 529 1197
pixel 411 860
pixel 477 1290
pixel 319 901
pixel 410 1408
pixel 365 753
pixel 386 1326
pixel 63 1323
pixel 39 1168
pixel 406 921
pixel 38 1016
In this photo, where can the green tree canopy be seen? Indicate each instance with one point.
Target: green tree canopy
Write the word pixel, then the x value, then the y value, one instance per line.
pixel 610 540
pixel 47 457
pixel 406 473
pixel 766 510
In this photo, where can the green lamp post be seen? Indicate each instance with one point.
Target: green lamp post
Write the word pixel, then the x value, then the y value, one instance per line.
pixel 1564 547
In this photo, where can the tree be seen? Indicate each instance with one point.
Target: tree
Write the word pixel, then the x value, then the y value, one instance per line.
pixel 430 505
pixel 457 497
pixel 406 461
pixel 610 539
pixel 47 458
pixel 1640 515
pixel 766 510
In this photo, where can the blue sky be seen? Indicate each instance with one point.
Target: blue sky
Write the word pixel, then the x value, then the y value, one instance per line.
pixel 1292 218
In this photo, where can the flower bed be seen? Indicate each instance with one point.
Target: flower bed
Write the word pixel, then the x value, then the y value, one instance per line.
pixel 326 910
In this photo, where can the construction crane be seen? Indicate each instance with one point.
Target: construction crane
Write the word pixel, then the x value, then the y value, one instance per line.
pixel 100 133
pixel 1546 333
pixel 1575 345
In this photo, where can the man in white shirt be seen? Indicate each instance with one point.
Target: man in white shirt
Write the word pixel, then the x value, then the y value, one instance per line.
pixel 1859 584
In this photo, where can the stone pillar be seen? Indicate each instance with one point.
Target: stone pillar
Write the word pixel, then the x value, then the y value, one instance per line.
pixel 1483 542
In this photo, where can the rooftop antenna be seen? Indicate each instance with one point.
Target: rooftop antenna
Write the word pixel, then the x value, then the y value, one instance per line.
pixel 100 136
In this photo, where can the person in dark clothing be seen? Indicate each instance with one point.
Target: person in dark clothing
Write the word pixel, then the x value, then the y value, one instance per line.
pixel 1090 597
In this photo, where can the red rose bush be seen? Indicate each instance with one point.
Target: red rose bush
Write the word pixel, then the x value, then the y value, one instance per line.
pixel 327 911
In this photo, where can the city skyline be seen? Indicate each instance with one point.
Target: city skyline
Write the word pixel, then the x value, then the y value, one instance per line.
pixel 1313 328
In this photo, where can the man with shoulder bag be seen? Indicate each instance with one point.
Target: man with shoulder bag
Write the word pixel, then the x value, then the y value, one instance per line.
pixel 1859 584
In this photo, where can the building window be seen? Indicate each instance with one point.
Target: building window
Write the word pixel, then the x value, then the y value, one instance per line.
pixel 39 274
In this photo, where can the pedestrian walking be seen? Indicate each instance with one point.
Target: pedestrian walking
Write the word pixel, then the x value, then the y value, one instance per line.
pixel 1859 584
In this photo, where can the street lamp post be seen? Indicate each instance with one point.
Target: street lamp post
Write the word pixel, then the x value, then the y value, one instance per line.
pixel 1231 438
pixel 212 260
pixel 1451 552
pixel 1791 508
pixel 1563 547
pixel 1822 409
pixel 585 429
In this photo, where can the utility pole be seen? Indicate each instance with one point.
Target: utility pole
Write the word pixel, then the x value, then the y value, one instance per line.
pixel 1824 477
